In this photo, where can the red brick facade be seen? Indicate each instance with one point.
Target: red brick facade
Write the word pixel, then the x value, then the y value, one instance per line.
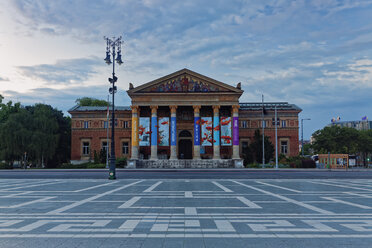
pixel 187 96
pixel 95 133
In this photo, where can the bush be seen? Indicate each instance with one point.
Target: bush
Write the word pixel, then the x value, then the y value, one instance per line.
pixel 308 163
pixel 255 165
pixel 96 166
pixel 5 166
pixel 121 162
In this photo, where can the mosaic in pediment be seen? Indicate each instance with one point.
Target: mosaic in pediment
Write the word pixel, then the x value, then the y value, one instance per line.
pixel 185 84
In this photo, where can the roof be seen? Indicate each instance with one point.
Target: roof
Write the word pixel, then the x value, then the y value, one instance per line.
pixel 78 108
pixel 218 86
pixel 268 106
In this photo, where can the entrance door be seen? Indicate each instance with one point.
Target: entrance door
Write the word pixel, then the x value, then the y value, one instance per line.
pixel 185 149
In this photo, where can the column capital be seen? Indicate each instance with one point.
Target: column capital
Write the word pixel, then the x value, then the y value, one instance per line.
pixel 154 109
pixel 235 108
pixel 196 108
pixel 216 109
pixel 134 109
pixel 173 109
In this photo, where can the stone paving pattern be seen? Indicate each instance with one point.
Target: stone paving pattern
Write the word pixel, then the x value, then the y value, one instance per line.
pixel 186 213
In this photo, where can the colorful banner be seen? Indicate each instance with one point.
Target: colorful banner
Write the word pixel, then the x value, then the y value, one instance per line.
pixel 196 131
pixel 226 136
pixel 154 131
pixel 216 130
pixel 206 131
pixel 134 131
pixel 163 131
pixel 235 131
pixel 173 131
pixel 144 131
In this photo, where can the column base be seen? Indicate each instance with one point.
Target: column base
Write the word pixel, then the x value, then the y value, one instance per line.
pixel 134 152
pixel 235 154
pixel 173 153
pixel 196 153
pixel 216 152
pixel 154 153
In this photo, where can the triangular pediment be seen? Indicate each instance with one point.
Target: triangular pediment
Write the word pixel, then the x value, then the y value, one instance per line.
pixel 184 81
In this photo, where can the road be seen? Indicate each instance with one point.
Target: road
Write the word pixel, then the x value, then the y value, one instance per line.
pixel 187 174
pixel 208 213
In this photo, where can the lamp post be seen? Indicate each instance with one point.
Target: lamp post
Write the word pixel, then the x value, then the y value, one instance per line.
pixel 111 46
pixel 302 134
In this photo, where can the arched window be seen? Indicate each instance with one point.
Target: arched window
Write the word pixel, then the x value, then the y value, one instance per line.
pixel 185 133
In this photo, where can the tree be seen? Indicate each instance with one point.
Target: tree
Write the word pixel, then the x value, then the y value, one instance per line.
pixel 88 101
pixel 15 136
pixel 40 131
pixel 45 134
pixel 365 144
pixel 256 147
pixel 336 139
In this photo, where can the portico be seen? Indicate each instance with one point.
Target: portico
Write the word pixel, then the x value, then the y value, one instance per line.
pixel 181 117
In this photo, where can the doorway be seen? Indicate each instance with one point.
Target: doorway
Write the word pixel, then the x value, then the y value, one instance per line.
pixel 185 145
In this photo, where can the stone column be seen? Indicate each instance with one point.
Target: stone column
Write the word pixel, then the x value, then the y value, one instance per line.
pixel 216 132
pixel 235 126
pixel 154 133
pixel 196 132
pixel 173 147
pixel 134 132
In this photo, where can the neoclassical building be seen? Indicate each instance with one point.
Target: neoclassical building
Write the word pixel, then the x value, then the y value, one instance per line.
pixel 184 119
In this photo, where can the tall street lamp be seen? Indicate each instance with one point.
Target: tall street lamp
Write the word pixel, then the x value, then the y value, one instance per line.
pixel 111 46
pixel 302 134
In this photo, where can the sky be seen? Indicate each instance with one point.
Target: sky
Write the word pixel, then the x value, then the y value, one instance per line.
pixel 316 54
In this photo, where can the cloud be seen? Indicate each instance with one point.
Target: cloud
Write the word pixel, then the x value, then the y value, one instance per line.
pixel 64 99
pixel 316 54
pixel 63 72
pixel 4 79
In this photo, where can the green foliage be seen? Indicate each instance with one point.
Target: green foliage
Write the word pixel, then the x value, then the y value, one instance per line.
pixel 96 166
pixel 88 101
pixel 256 147
pixel 121 162
pixel 39 132
pixel 254 165
pixel 336 139
pixel 102 156
pixel 308 150
pixel 5 166
pixel 95 157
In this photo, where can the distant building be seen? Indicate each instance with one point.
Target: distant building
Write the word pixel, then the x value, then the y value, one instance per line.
pixel 359 125
pixel 184 115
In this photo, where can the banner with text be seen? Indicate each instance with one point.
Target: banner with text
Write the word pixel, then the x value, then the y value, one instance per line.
pixel 163 131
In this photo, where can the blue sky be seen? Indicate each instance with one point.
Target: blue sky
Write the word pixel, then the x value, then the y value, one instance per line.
pixel 316 53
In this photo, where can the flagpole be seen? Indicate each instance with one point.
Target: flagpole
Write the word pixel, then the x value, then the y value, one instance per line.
pixel 276 140
pixel 107 140
pixel 263 134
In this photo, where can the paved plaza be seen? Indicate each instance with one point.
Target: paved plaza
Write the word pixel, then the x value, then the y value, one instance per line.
pixel 186 213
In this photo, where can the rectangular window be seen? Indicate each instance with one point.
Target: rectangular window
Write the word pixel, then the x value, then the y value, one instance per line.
pixel 263 124
pixel 284 123
pixel 126 124
pixel 86 124
pixel 86 148
pixel 244 124
pixel 105 124
pixel 104 146
pixel 125 147
pixel 284 147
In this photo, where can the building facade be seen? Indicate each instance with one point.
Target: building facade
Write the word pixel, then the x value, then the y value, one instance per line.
pixel 183 116
pixel 358 125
